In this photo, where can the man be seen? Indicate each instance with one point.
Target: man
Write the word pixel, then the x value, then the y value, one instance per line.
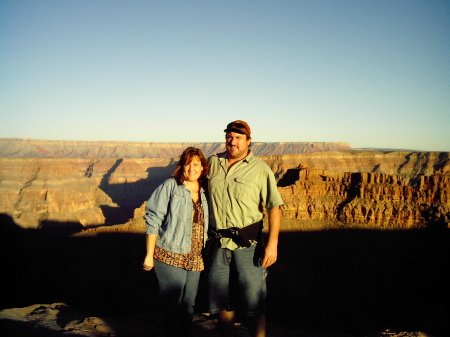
pixel 240 185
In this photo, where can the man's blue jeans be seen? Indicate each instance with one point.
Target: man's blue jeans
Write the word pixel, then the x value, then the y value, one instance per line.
pixel 178 289
pixel 237 281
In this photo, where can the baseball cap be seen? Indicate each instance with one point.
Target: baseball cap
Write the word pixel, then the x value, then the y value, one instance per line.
pixel 239 127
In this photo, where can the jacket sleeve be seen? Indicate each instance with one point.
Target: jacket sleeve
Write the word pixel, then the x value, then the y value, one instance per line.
pixel 156 208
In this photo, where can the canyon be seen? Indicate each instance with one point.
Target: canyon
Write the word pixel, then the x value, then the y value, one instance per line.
pixel 378 189
pixel 363 246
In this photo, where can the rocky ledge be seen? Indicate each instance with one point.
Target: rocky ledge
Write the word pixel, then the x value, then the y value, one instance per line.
pixel 59 319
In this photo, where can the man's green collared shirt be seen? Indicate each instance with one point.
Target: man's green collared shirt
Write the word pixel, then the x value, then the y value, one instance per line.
pixel 238 195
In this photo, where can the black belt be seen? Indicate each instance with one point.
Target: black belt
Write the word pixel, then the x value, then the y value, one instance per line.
pixel 241 236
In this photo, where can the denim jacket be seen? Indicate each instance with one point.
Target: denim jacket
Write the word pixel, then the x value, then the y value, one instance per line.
pixel 168 214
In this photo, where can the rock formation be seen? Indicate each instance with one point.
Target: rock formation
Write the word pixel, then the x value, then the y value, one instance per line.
pixel 384 189
pixel 370 199
pixel 48 192
pixel 378 190
pixel 31 148
pixel 358 199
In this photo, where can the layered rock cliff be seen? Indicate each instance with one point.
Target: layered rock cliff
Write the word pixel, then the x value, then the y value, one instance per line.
pixel 63 192
pixel 375 189
pixel 369 190
pixel 370 199
pixel 381 189
pixel 32 148
pixel 49 193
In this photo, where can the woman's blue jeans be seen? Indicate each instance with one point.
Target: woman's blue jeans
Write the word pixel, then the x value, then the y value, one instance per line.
pixel 178 289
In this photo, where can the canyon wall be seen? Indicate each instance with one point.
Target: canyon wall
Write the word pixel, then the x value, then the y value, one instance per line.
pixel 397 190
pixel 32 148
pixel 369 188
pixel 373 189
pixel 373 200
pixel 45 192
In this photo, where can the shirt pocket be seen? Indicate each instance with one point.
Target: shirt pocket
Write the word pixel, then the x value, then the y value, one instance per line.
pixel 244 188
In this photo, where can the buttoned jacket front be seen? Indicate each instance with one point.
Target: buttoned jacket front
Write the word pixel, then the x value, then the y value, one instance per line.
pixel 168 214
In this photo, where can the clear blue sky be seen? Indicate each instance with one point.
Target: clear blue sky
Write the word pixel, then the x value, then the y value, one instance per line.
pixel 371 73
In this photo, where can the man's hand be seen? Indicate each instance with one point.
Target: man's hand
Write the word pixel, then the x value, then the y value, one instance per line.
pixel 270 256
pixel 271 251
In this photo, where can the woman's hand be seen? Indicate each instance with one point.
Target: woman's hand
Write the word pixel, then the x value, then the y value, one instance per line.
pixel 151 242
pixel 148 263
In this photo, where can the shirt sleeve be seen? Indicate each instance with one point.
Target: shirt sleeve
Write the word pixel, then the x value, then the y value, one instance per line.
pixel 272 196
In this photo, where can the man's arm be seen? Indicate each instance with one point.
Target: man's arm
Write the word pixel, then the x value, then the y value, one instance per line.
pixel 271 251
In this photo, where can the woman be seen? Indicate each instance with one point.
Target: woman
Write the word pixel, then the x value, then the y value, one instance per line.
pixel 177 222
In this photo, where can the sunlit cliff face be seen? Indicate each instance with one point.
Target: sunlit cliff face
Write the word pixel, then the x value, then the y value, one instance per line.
pixel 395 188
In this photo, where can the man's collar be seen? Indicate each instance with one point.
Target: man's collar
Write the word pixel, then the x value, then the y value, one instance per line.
pixel 248 158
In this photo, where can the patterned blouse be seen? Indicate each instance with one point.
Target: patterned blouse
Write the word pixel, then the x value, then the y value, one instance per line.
pixel 192 261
